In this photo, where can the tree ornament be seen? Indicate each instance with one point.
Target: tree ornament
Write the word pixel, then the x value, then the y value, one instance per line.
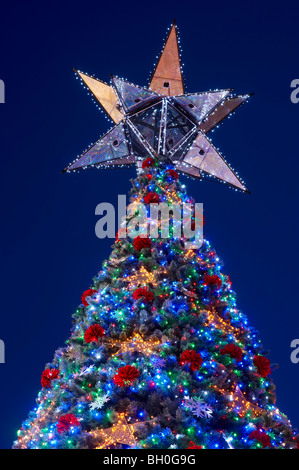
pixel 198 407
pixel 141 242
pixel 135 344
pixel 151 197
pixel 125 376
pixel 142 277
pixel 212 281
pixel 86 370
pixel 66 422
pixel 228 440
pixel 261 437
pixel 99 402
pixel 173 174
pixel 158 362
pixel 72 354
pixel 121 432
pixel 48 375
pixel 143 293
pixel 115 261
pixel 193 358
pixel 234 351
pixel 88 293
pixel 194 446
pixel 93 333
pixel 161 120
pixel 263 365
pixel 147 163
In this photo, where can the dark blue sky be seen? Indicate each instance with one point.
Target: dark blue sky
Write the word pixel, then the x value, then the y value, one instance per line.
pixel 49 251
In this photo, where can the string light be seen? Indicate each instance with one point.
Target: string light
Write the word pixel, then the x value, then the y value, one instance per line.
pixel 238 403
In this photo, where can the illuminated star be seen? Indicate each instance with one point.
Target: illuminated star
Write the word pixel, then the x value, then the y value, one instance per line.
pixel 141 277
pixel 161 120
pixel 120 433
pixel 135 344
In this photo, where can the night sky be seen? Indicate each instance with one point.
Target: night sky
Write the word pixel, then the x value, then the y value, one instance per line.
pixel 49 251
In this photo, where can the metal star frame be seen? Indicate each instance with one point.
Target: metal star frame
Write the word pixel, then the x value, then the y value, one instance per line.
pixel 161 120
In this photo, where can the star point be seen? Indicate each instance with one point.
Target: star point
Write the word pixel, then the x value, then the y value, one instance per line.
pixel 167 78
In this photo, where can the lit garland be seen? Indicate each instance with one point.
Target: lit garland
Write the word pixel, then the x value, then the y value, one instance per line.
pixel 214 319
pixel 238 403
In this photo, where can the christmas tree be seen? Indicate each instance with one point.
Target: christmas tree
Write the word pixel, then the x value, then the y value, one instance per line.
pixel 159 356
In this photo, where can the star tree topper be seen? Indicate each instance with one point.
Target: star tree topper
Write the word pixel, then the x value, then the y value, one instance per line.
pixel 161 120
